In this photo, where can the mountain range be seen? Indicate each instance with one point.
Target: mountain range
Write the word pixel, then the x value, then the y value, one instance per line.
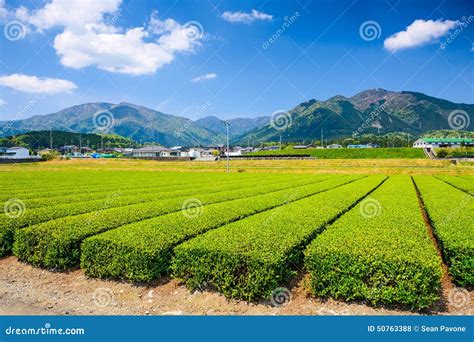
pixel 372 111
pixel 375 111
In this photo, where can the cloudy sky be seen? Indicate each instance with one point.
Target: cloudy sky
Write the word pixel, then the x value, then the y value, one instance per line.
pixel 228 58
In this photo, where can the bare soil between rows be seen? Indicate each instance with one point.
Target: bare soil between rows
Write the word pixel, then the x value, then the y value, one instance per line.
pixel 26 290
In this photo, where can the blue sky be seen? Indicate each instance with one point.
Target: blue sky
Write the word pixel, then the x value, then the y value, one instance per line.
pixel 228 58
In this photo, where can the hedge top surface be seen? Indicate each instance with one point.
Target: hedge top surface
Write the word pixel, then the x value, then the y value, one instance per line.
pixel 159 232
pixel 382 227
pixel 266 236
pixel 451 211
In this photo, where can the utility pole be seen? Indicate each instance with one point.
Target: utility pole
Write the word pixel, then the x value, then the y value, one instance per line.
pixel 322 137
pixel 227 124
pixel 51 138
pixel 280 141
pixel 102 142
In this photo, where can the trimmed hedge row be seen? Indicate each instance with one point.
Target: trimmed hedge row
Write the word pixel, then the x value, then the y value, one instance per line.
pixel 128 188
pixel 379 252
pixel 142 251
pixel 115 184
pixel 9 225
pixel 250 258
pixel 148 191
pixel 451 214
pixel 460 183
pixel 56 243
pixel 88 194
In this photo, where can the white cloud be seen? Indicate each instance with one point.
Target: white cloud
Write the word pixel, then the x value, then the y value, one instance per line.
pixel 3 10
pixel 201 78
pixel 36 85
pixel 2 102
pixel 72 14
pixel 90 38
pixel 122 53
pixel 419 33
pixel 247 18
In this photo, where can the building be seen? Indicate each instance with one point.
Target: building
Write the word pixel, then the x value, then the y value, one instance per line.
pixel 69 149
pixel 369 145
pixel 334 146
pixel 151 152
pixel 14 152
pixel 271 148
pixel 443 142
pixel 44 151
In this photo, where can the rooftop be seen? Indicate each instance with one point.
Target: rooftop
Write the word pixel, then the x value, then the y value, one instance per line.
pixel 151 149
pixel 448 140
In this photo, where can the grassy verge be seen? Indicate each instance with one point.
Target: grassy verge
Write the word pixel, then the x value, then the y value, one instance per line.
pixel 351 153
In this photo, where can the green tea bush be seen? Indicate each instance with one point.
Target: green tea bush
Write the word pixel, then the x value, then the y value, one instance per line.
pixel 56 243
pixel 30 217
pixel 249 258
pixel 379 252
pixel 459 182
pixel 451 215
pixel 142 251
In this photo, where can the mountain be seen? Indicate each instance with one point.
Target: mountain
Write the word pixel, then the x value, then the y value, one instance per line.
pixel 136 122
pixel 41 139
pixel 375 111
pixel 238 127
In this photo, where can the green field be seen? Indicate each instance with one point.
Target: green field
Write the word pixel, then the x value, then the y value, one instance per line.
pixel 351 153
pixel 359 237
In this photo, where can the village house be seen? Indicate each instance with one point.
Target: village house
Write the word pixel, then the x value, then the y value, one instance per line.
pixel 443 142
pixel 14 152
pixel 151 151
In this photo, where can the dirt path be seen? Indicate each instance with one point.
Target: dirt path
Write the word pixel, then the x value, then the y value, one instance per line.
pixel 25 290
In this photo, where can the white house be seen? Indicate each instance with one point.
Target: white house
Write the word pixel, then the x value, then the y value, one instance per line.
pixel 151 151
pixel 442 142
pixel 14 152
pixel 195 152
pixel 334 146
